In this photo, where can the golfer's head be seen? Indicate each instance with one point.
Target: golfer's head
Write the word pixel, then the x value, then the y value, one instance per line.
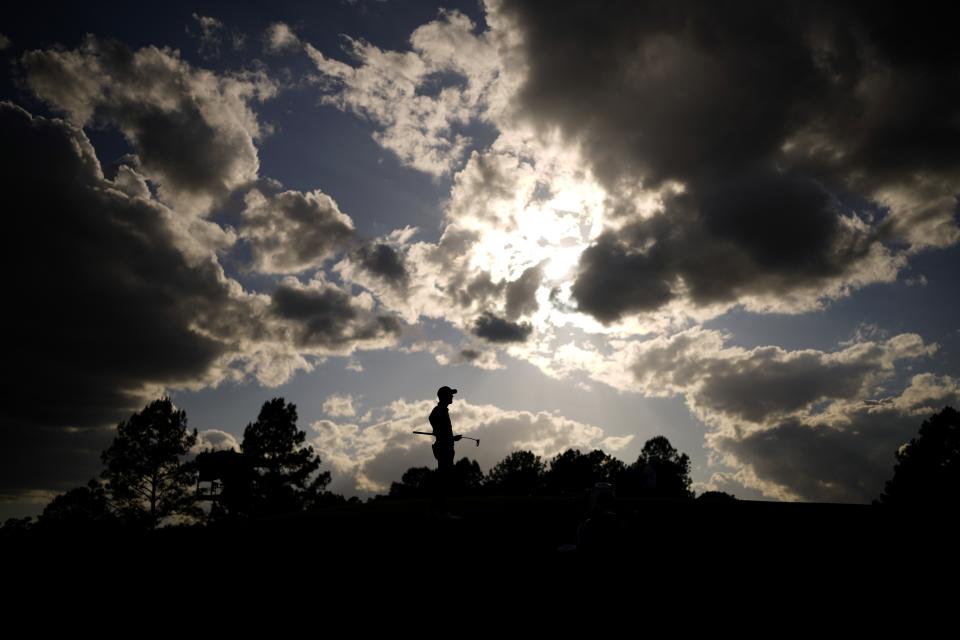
pixel 445 394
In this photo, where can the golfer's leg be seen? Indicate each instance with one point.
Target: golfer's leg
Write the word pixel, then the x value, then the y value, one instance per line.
pixel 446 477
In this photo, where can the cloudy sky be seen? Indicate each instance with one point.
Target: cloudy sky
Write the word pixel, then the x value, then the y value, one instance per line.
pixel 733 224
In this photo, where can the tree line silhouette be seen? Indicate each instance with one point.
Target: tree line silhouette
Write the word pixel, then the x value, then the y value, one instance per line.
pixel 150 479
pixel 659 472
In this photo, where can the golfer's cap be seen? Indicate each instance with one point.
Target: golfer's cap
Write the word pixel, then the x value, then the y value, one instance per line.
pixel 445 391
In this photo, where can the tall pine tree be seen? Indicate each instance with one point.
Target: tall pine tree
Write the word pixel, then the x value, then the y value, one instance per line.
pixel 286 470
pixel 146 479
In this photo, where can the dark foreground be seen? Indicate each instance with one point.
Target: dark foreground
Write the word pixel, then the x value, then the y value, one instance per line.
pixel 656 532
pixel 391 563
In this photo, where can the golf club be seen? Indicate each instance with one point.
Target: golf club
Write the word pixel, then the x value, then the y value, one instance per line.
pixel 430 433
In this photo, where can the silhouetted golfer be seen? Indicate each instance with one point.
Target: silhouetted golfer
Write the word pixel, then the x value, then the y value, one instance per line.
pixel 443 446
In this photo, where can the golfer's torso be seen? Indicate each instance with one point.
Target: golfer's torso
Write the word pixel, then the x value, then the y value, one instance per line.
pixel 442 429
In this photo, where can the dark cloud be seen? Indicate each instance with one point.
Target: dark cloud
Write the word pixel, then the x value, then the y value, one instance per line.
pixel 663 90
pixel 328 317
pixel 112 298
pixel 798 424
pixel 521 293
pixel 206 166
pixel 770 116
pixel 495 329
pixel 469 355
pixel 385 262
pixel 767 384
pixel 478 290
pixel 615 278
pixel 192 130
pixel 677 91
pixel 845 454
pixel 40 457
pixel 823 463
pixel 102 304
pixel 764 238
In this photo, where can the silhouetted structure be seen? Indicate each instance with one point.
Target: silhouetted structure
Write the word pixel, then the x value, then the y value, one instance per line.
pixel 226 478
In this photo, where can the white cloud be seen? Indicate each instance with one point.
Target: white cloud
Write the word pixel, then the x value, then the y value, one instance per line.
pixel 339 405
pixel 279 37
pixel 211 35
pixel 215 440
pixel 613 444
pixel 926 393
pixel 410 96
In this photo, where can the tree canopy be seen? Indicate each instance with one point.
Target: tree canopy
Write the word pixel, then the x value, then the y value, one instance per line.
pixel 83 508
pixel 573 471
pixel 927 471
pixel 660 471
pixel 286 468
pixel 146 479
pixel 519 474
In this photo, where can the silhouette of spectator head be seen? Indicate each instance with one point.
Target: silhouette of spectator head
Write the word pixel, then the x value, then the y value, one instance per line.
pixel 445 394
